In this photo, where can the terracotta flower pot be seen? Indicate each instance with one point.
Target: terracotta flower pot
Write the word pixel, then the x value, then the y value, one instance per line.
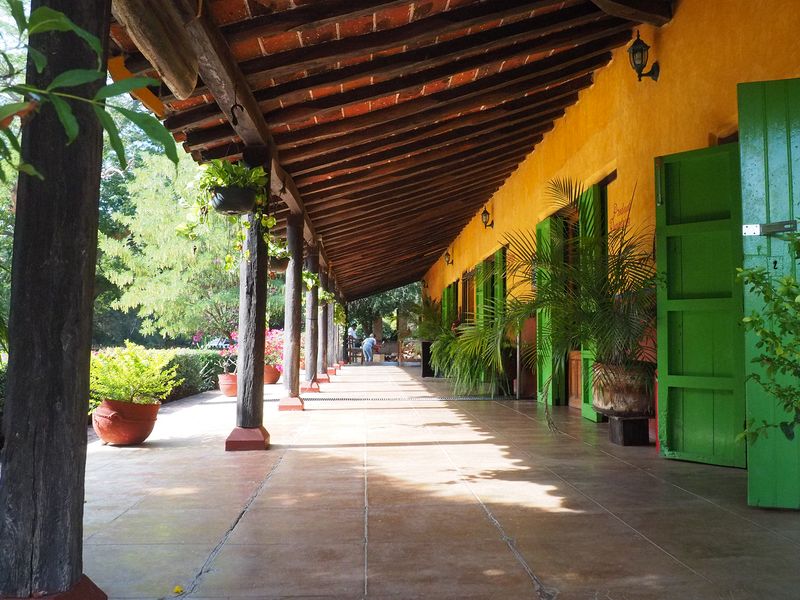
pixel 227 384
pixel 124 423
pixel 271 374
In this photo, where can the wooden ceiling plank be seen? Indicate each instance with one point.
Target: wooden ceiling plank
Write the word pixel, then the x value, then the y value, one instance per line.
pixel 499 128
pixel 654 12
pixel 393 74
pixel 413 169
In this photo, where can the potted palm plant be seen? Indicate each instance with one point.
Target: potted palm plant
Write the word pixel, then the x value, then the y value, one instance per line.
pixel 604 301
pixel 127 386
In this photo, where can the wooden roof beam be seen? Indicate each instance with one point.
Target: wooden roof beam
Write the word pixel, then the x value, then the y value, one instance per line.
pixel 222 75
pixel 654 12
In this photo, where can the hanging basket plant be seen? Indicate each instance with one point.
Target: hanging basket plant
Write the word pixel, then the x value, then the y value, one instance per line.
pixel 233 188
pixel 278 255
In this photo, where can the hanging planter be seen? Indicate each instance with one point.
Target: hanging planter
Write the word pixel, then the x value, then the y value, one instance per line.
pixel 279 265
pixel 233 200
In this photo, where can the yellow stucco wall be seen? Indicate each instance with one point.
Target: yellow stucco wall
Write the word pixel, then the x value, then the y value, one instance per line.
pixel 620 123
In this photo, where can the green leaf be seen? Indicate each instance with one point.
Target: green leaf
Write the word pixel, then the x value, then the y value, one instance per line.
pixel 12 139
pixel 68 120
pixel 8 110
pixel 113 134
pixel 29 169
pixel 123 87
pixel 18 13
pixel 45 19
pixel 153 128
pixel 39 59
pixel 74 77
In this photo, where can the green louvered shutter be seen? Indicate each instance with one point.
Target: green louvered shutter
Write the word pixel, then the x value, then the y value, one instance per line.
pixel 480 296
pixel 590 214
pixel 446 305
pixel 500 281
pixel 545 230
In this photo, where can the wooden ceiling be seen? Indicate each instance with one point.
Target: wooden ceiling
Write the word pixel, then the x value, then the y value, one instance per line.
pixel 397 119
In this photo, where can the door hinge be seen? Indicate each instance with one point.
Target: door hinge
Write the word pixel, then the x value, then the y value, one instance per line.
pixel 769 228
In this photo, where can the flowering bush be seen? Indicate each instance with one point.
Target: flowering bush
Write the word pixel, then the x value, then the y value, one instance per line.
pixel 273 348
pixel 228 358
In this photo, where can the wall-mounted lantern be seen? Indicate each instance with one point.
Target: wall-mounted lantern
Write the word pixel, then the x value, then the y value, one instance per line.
pixel 448 260
pixel 638 52
pixel 485 219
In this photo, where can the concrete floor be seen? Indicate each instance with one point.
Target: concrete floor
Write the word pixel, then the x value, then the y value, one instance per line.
pixel 415 497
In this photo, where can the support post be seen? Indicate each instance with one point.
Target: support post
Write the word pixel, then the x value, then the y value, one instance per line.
pixel 345 337
pixel 322 330
pixel 50 324
pixel 312 336
pixel 291 325
pixel 249 433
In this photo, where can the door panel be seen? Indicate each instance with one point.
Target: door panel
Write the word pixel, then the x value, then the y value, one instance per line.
pixel 574 380
pixel 700 349
pixel 769 133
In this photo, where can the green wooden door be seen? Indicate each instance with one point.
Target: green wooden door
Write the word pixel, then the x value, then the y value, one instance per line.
pixel 590 215
pixel 701 405
pixel 769 134
pixel 550 389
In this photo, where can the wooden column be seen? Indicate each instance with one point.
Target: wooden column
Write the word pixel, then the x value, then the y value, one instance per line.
pixel 312 335
pixel 345 340
pixel 291 324
pixel 322 330
pixel 249 433
pixel 52 292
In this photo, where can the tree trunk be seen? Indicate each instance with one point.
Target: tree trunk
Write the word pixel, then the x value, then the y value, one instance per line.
pixel 52 286
pixel 294 282
pixel 312 306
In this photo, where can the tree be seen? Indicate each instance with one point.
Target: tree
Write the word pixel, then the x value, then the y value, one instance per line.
pixel 178 286
pixel 365 310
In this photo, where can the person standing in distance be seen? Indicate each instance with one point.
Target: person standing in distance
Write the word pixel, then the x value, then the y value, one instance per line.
pixel 367 346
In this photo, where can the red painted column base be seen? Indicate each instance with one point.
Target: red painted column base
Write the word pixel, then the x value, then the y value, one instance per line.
pixel 323 378
pixel 247 438
pixel 309 386
pixel 85 589
pixel 332 371
pixel 291 403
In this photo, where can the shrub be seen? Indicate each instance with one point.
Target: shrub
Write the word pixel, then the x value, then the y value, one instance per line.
pixel 132 374
pixel 198 369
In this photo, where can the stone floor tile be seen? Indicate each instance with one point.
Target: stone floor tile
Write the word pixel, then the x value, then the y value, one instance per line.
pixel 430 524
pixel 286 570
pixel 299 526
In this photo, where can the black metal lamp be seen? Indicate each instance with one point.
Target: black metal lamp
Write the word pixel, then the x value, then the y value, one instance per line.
pixel 448 260
pixel 637 52
pixel 485 219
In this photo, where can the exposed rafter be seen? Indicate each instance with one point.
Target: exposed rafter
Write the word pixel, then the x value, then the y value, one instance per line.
pixel 655 12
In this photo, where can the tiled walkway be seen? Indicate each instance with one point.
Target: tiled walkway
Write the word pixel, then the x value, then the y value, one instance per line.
pixel 421 498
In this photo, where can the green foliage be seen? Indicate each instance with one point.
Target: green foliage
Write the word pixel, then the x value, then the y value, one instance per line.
pixel 310 280
pixel 365 310
pixel 218 174
pixel 132 374
pixel 196 369
pixel 604 300
pixel 177 285
pixel 474 355
pixel 429 318
pixel 23 100
pixel 777 328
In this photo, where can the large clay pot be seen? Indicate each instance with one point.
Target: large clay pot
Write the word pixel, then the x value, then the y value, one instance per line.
pixel 124 423
pixel 271 374
pixel 233 200
pixel 227 384
pixel 623 391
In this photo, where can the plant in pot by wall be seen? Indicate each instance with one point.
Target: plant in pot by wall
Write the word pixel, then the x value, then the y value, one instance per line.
pixel 603 300
pixel 228 359
pixel 273 355
pixel 127 386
